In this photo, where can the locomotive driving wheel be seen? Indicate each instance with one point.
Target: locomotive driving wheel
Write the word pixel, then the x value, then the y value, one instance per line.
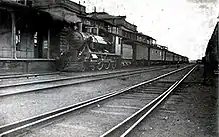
pixel 107 65
pixel 113 65
pixel 83 69
pixel 100 65
pixel 92 67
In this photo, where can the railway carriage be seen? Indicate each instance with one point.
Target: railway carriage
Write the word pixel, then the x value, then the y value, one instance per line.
pixel 141 54
pixel 180 59
pixel 163 55
pixel 127 54
pixel 156 55
pixel 93 52
pixel 176 58
pixel 169 57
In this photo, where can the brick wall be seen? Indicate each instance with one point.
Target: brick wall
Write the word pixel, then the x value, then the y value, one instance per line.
pixel 27 66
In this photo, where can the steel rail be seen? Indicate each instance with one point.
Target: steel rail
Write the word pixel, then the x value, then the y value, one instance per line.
pixel 6 76
pixel 74 83
pixel 68 78
pixel 19 75
pixel 23 124
pixel 149 106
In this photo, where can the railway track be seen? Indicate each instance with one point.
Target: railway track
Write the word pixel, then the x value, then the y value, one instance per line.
pixel 125 127
pixel 31 86
pixel 21 126
pixel 9 76
pixel 19 75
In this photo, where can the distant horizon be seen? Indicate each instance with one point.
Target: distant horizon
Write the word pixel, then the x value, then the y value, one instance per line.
pixel 185 26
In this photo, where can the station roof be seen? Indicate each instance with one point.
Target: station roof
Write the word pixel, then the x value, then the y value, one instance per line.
pixel 97 19
pixel 109 18
pixel 104 15
pixel 6 5
pixel 12 4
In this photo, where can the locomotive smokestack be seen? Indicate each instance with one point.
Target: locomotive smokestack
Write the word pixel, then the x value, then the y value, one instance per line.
pixel 80 26
pixel 95 9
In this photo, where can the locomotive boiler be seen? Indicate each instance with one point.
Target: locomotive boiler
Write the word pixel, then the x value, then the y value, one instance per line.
pixel 92 52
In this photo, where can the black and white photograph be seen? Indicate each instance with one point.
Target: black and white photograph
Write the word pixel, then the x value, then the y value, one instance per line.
pixel 109 68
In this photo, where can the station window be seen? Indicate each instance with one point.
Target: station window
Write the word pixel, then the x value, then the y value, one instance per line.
pixel 40 45
pixel 18 40
pixel 35 39
pixel 119 41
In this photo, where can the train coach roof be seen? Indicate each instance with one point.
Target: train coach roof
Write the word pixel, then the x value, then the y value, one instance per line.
pixel 104 15
pixel 141 34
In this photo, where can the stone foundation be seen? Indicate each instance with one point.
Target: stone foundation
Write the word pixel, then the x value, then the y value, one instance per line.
pixel 27 66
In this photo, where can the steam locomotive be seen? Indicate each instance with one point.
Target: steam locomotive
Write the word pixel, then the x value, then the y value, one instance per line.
pixel 88 51
pixel 92 52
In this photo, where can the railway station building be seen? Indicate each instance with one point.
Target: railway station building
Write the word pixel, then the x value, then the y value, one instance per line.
pixel 34 32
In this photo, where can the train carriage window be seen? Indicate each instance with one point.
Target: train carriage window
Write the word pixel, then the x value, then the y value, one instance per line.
pixel 109 29
pixel 87 29
pixel 84 29
pixel 94 31
pixel 114 30
pixel 101 32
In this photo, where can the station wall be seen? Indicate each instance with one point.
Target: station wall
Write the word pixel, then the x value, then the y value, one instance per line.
pixel 27 66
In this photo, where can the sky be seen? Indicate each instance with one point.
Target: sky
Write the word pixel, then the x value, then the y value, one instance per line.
pixel 184 26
